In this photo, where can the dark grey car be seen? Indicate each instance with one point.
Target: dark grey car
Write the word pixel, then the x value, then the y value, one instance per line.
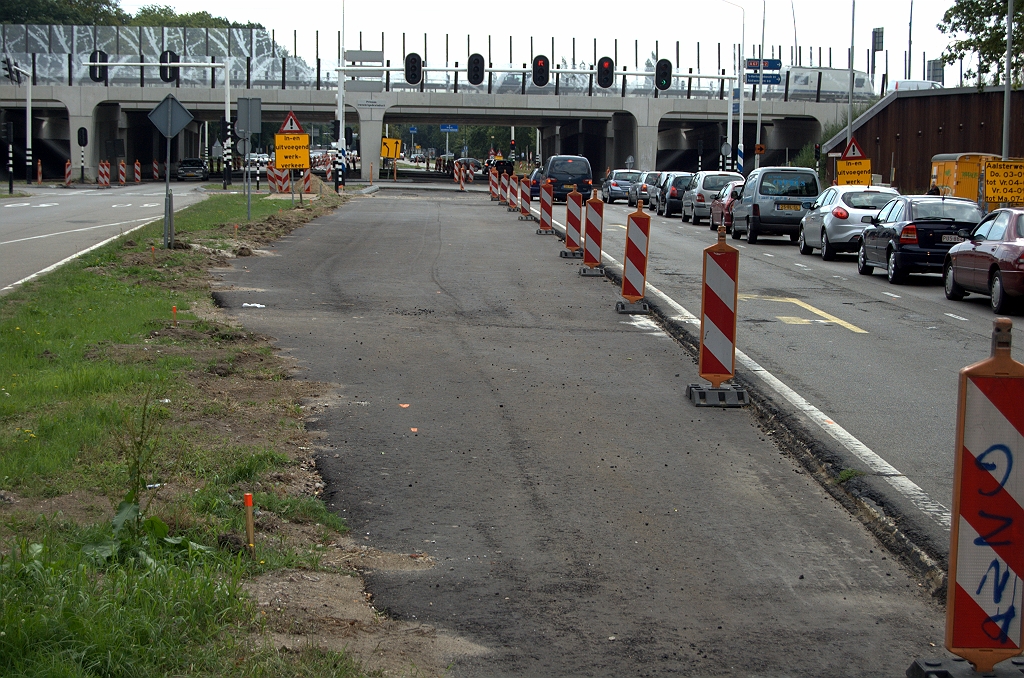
pixel 640 189
pixel 616 185
pixel 773 202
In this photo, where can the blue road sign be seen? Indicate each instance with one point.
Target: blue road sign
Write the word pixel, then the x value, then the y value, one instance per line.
pixel 769 64
pixel 449 128
pixel 769 78
pixel 413 130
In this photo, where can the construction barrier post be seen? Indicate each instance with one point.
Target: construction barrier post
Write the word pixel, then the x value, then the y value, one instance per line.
pixel 67 173
pixel 717 357
pixel 986 544
pixel 547 201
pixel 512 204
pixel 371 174
pixel 492 184
pixel 634 263
pixel 462 177
pixel 138 172
pixel 39 171
pixel 503 189
pixel 525 212
pixel 573 219
pixel 307 181
pixel 121 174
pixel 103 176
pixel 592 234
pixel 156 170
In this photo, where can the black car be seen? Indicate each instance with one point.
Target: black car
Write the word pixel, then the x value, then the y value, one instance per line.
pixel 193 168
pixel 913 234
pixel 504 167
pixel 566 173
pixel 670 200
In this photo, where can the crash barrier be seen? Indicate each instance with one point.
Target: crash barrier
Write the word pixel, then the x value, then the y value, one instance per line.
pixel 67 173
pixel 592 235
pixel 525 212
pixel 156 170
pixel 634 263
pixel 103 176
pixel 492 183
pixel 547 201
pixel 122 173
pixel 573 219
pixel 513 194
pixel 138 172
pixel 503 189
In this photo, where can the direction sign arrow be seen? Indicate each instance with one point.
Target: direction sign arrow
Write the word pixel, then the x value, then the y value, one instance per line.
pixel 768 64
pixel 170 117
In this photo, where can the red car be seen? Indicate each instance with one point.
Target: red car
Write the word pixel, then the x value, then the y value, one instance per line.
pixel 989 261
pixel 721 205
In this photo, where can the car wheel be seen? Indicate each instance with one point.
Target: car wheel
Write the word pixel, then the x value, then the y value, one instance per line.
pixel 892 270
pixel 1001 302
pixel 862 262
pixel 735 232
pixel 658 210
pixel 802 244
pixel 954 292
pixel 686 217
pixel 695 218
pixel 828 252
pixel 751 234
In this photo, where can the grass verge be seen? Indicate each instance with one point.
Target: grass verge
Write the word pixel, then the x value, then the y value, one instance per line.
pixel 126 443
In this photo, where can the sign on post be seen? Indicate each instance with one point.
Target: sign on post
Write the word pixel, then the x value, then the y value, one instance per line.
pixel 291 145
pixel 853 172
pixel 1004 182
pixel 769 78
pixel 985 591
pixel 250 116
pixel 450 129
pixel 169 117
pixel 390 148
pixel 767 64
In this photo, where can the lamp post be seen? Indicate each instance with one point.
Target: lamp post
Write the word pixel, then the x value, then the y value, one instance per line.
pixel 1009 80
pixel 849 103
pixel 760 86
pixel 741 86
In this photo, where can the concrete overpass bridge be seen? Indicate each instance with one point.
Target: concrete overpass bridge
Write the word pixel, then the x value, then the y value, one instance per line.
pixel 607 126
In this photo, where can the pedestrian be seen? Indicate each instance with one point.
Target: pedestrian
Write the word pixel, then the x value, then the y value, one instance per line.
pixel 934 190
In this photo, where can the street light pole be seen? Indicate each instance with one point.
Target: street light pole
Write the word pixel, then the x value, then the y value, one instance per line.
pixel 341 164
pixel 760 87
pixel 741 85
pixel 1008 77
pixel 849 103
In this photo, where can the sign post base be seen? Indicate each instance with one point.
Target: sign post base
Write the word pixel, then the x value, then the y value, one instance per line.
pixel 571 254
pixel 960 668
pixel 588 272
pixel 724 396
pixel 634 308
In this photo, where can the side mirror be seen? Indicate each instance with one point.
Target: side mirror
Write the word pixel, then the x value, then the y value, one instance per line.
pixel 806 205
pixel 735 195
pixel 869 219
pixel 964 233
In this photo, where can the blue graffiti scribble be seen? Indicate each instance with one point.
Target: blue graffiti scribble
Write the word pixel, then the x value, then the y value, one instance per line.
pixel 998 583
pixel 989 466
pixel 986 539
pixel 1001 620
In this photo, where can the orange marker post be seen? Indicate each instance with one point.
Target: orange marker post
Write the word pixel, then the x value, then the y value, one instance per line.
pixel 39 171
pixel 634 263
pixel 250 523
pixel 174 314
pixel 573 219
pixel 592 235
pixel 985 592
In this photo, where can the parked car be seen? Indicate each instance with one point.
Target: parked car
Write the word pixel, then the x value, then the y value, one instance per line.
pixel 504 167
pixel 535 179
pixel 566 173
pixel 638 190
pixel 721 205
pixel 472 164
pixel 193 168
pixel 654 190
pixel 671 197
pixel 772 202
pixel 701 191
pixel 988 261
pixel 616 185
pixel 913 234
pixel 834 221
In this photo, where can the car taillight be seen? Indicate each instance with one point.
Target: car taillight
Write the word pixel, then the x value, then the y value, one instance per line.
pixel 535 182
pixel 840 213
pixel 672 193
pixel 644 187
pixel 757 210
pixel 615 184
pixel 700 197
pixel 908 236
pixel 550 181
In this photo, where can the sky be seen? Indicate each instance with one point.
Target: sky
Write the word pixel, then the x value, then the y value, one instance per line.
pixel 818 24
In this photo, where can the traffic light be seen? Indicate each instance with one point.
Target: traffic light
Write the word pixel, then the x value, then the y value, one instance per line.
pixel 605 72
pixel 336 132
pixel 512 146
pixel 98 73
pixel 222 133
pixel 541 70
pixel 663 74
pixel 169 73
pixel 83 137
pixel 349 143
pixel 817 152
pixel 10 71
pixel 475 69
pixel 413 68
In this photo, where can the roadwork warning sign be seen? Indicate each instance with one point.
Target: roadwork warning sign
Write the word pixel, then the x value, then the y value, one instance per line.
pixel 291 151
pixel 853 172
pixel 1004 182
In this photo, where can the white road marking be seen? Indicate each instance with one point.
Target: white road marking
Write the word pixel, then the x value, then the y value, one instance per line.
pixel 880 467
pixel 122 204
pixel 47 204
pixel 76 230
pixel 151 204
pixel 957 317
pixel 768 255
pixel 800 265
pixel 890 294
pixel 17 204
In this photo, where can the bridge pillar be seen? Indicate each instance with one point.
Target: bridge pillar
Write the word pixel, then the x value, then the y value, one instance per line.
pixel 371 131
pixel 89 123
pixel 646 146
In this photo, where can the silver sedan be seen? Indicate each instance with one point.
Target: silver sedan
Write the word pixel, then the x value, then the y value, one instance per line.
pixel 833 222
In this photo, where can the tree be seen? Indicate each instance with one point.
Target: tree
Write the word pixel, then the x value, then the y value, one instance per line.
pixel 164 15
pixel 979 27
pixel 66 12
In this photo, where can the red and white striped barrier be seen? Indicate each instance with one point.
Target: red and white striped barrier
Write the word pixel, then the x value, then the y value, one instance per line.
pixel 717 361
pixel 525 213
pixel 513 194
pixel 492 183
pixel 122 173
pixel 67 173
pixel 573 219
pixel 503 189
pixel 547 201
pixel 634 263
pixel 307 181
pixel 156 170
pixel 457 173
pixel 138 172
pixel 462 178
pixel 592 235
pixel 103 176
pixel 986 553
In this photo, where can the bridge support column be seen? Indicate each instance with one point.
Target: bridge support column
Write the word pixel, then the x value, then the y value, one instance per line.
pixel 371 131
pixel 89 123
pixel 646 147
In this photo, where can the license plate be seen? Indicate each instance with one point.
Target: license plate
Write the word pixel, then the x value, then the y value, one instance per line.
pixel 569 186
pixel 952 238
pixel 788 208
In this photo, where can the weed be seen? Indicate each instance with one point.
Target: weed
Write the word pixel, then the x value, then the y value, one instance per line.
pixel 848 474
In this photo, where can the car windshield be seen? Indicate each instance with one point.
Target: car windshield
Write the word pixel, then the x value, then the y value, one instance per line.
pixel 573 167
pixel 947 210
pixel 867 200
pixel 652 177
pixel 680 182
pixel 789 184
pixel 191 162
pixel 715 182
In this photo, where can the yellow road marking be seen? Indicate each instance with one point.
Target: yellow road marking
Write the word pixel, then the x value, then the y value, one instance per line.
pixel 793 320
pixel 804 305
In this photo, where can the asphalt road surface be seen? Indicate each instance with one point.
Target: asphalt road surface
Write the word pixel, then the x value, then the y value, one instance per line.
pixel 53 224
pixel 494 411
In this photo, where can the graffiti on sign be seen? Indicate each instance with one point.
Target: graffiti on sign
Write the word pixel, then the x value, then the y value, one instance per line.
pixel 1004 182
pixel 291 151
pixel 853 172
